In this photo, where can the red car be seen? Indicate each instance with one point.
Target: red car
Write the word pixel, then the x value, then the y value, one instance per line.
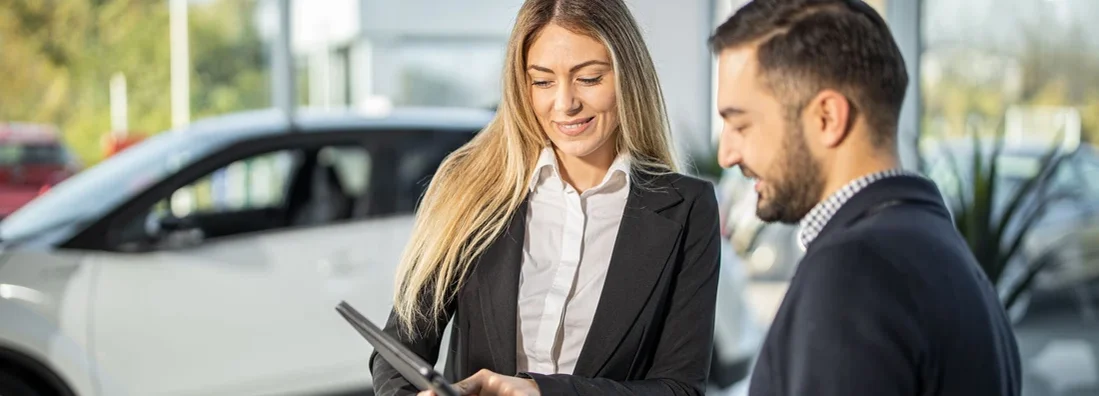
pixel 32 158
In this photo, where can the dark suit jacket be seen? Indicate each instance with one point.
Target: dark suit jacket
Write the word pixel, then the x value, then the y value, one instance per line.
pixel 889 300
pixel 652 333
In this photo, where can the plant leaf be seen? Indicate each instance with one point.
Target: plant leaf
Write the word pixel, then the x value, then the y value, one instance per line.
pixel 1044 260
pixel 1032 217
pixel 989 180
pixel 981 209
pixel 1048 165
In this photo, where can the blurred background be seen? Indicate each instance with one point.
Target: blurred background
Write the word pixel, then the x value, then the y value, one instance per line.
pixel 189 186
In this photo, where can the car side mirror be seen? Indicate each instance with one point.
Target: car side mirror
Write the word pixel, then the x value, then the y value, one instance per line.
pixel 173 224
pixel 173 232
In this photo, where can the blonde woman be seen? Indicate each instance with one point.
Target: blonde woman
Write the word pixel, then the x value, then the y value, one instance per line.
pixel 561 244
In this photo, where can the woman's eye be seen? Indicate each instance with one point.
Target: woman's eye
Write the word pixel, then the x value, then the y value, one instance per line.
pixel 541 84
pixel 590 81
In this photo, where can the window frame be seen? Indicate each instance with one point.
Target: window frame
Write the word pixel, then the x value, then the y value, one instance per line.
pixel 99 235
pixel 379 142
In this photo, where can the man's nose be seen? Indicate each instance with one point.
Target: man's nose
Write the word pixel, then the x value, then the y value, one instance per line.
pixel 728 150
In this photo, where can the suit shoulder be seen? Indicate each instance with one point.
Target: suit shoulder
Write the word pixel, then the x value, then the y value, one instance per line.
pixel 689 187
pixel 899 229
pixel 851 272
pixel 850 253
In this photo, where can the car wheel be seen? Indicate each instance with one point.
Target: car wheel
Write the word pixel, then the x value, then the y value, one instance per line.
pixel 12 385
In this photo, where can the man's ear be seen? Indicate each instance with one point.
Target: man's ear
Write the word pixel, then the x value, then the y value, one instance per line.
pixel 829 116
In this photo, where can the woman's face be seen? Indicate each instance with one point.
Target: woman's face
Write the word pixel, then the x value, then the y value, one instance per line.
pixel 572 90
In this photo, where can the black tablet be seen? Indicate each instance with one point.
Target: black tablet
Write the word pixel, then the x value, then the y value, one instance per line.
pixel 422 375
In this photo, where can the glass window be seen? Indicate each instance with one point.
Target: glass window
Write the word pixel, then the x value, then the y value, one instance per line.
pixel 10 154
pixel 1030 67
pixel 249 184
pixel 351 165
pixel 1033 62
pixel 286 188
pixel 46 151
pixel 442 72
pixel 34 154
pixel 265 181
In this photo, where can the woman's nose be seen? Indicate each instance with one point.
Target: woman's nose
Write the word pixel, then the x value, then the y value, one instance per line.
pixel 565 101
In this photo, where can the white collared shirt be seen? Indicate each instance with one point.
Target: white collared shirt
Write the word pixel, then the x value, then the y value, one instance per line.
pixel 566 253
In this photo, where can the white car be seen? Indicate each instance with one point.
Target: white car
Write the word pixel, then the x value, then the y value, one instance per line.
pixel 208 261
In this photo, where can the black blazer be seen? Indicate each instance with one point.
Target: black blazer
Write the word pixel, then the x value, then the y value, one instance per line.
pixel 652 333
pixel 889 300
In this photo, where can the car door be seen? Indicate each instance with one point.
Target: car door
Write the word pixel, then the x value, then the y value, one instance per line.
pixel 361 267
pixel 355 260
pixel 241 310
pixel 350 259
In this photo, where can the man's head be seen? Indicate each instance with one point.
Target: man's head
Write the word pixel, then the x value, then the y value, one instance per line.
pixel 810 92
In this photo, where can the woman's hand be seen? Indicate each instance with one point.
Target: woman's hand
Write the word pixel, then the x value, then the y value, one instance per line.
pixel 488 383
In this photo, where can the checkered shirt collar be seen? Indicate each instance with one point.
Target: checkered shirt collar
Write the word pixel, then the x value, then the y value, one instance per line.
pixel 813 223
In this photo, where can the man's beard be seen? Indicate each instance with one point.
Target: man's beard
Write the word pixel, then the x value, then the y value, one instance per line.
pixel 798 185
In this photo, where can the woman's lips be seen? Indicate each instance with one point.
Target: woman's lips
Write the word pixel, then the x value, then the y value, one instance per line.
pixel 574 128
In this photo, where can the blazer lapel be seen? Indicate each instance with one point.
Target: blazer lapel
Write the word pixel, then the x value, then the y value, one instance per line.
pixel 498 290
pixel 641 252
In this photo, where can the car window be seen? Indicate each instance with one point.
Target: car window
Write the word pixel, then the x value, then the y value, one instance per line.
pixel 306 186
pixel 351 165
pixel 12 154
pixel 340 187
pixel 244 196
pixel 418 163
pixel 254 183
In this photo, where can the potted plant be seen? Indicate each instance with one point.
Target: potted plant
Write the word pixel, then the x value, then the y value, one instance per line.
pixel 993 216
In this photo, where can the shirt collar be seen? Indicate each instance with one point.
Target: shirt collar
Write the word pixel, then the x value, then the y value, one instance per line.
pixel 547 166
pixel 813 223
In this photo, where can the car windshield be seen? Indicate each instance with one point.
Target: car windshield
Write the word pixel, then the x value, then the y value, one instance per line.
pixel 18 154
pixel 87 195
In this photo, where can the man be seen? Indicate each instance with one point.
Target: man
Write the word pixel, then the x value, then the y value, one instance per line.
pixel 888 300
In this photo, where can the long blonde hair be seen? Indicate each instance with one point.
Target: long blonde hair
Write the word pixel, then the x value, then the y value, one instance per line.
pixel 478 188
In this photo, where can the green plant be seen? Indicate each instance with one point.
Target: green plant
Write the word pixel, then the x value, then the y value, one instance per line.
pixel 995 219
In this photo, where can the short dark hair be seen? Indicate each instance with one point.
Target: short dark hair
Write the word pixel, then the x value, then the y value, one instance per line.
pixel 805 46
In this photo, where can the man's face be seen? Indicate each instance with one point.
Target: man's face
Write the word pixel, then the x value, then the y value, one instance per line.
pixel 768 147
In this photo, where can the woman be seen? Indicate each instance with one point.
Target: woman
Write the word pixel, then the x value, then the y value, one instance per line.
pixel 569 255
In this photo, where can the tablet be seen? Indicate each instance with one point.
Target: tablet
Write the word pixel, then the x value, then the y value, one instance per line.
pixel 414 369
